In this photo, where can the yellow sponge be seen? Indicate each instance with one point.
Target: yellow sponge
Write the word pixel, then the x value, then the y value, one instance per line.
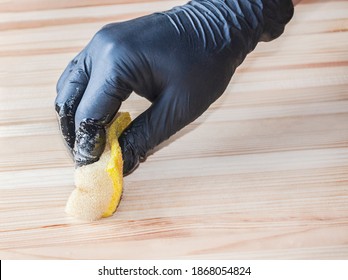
pixel 99 185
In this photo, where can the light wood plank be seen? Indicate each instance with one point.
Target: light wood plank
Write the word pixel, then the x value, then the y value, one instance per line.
pixel 263 174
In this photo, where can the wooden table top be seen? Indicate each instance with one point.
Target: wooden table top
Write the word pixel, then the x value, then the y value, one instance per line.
pixel 263 174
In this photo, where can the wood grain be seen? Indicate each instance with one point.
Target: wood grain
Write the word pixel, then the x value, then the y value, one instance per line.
pixel 263 174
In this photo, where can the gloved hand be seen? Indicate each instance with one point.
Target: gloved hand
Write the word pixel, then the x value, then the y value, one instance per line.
pixel 181 60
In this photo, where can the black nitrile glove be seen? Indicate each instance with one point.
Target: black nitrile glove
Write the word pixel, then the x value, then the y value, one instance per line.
pixel 181 60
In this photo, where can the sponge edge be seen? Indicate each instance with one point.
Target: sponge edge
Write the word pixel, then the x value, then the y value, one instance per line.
pixel 115 165
pixel 99 185
pixel 93 191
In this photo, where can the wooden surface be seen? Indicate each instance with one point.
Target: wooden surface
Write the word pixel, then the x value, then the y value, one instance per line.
pixel 263 174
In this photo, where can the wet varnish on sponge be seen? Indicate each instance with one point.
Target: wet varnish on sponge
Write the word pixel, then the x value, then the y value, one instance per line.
pixel 99 185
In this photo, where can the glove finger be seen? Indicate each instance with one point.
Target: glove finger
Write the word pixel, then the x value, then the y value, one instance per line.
pixel 98 107
pixel 69 68
pixel 66 104
pixel 168 114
